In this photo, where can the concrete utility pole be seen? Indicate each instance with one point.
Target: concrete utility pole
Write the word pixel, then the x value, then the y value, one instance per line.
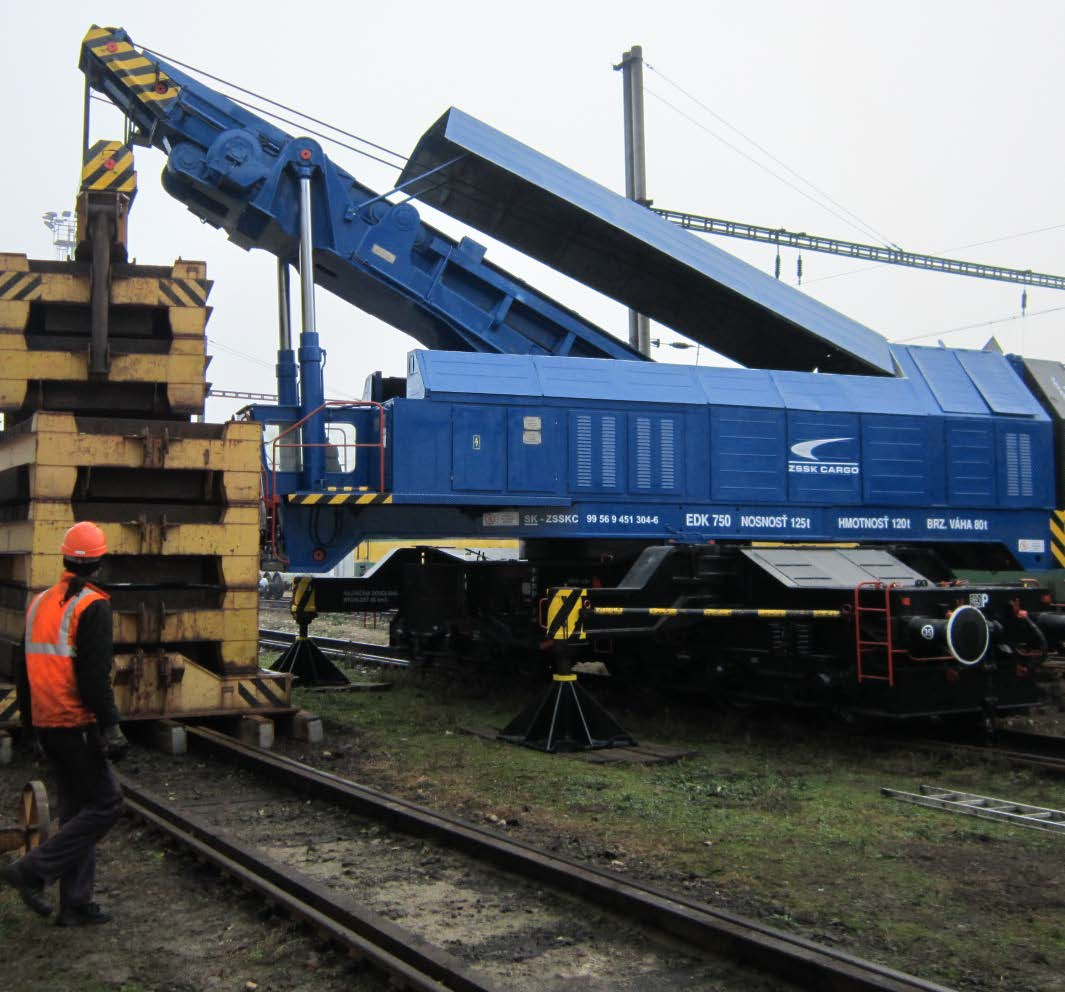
pixel 635 167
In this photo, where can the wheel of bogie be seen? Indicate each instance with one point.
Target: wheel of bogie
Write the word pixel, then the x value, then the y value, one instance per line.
pixel 34 815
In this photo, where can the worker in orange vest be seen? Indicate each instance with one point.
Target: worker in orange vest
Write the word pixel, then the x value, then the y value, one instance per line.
pixel 66 681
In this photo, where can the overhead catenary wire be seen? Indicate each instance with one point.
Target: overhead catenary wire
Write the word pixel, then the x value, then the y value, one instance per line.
pixel 856 220
pixel 761 165
pixel 983 323
pixel 973 244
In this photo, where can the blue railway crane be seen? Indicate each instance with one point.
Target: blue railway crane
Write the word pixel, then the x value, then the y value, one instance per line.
pixel 815 506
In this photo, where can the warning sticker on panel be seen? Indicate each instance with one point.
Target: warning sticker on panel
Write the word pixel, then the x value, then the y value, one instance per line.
pixel 1032 547
pixel 500 518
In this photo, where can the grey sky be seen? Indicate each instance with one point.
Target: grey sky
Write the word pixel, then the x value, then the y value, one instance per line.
pixel 936 123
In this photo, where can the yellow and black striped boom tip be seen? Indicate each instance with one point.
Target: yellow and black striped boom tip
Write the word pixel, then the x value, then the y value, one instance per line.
pixel 108 167
pixel 112 51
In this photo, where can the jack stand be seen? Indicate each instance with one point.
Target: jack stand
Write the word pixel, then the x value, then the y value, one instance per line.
pixel 565 718
pixel 308 663
pixel 305 659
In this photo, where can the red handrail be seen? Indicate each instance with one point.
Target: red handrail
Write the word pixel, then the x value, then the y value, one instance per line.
pixel 272 498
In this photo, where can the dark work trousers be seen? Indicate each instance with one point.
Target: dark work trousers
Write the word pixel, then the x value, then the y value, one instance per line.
pixel 90 801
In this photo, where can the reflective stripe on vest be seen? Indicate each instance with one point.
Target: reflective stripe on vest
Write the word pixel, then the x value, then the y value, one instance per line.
pixel 54 697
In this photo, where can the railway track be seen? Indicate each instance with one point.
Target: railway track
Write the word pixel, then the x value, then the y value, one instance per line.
pixel 1039 751
pixel 696 944
pixel 409 962
pixel 365 652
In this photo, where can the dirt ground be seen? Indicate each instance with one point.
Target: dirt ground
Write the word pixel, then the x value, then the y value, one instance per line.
pixel 177 927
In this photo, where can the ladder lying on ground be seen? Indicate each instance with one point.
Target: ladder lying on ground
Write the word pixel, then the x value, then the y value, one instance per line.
pixel 1019 814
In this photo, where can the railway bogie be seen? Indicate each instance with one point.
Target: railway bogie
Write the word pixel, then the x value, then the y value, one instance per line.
pixel 856 630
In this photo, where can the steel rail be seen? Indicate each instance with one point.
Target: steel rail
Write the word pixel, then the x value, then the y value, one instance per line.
pixel 1043 745
pixel 701 926
pixel 413 962
pixel 1054 763
pixel 379 654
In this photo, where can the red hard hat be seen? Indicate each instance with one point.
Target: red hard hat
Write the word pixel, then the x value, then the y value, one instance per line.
pixel 84 540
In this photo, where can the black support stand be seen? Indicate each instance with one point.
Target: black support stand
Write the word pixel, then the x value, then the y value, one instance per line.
pixel 308 663
pixel 565 718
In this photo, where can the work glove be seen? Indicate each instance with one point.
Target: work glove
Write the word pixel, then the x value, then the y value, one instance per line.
pixel 115 743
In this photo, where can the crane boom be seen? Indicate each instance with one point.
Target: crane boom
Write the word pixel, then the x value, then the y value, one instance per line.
pixel 853 249
pixel 238 172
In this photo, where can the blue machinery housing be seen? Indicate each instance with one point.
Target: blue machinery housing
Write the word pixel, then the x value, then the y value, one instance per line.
pixel 956 451
pixel 880 470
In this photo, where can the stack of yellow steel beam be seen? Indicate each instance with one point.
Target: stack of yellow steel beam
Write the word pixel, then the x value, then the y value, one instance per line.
pixel 157 341
pixel 178 500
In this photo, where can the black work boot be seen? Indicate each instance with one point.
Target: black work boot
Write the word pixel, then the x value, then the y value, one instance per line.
pixel 32 892
pixel 79 916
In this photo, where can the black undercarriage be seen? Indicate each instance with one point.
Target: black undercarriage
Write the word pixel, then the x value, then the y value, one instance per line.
pixel 786 623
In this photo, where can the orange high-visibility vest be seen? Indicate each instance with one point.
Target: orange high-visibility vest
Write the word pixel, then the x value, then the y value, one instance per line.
pixel 51 636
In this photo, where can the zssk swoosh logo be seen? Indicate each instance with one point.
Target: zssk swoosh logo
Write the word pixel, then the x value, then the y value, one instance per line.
pixel 805 449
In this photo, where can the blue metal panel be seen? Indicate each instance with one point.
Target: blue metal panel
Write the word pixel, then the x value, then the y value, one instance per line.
pixel 620 248
pixel 453 374
pixel 949 382
pixel 747 460
pixel 697 454
pixel 419 447
pixel 896 462
pixel 970 463
pixel 824 458
pixel 639 382
pixel 596 452
pixel 852 394
pixel 534 450
pixel 478 448
pixel 656 453
pixel 1025 474
pixel 998 384
pixel 738 387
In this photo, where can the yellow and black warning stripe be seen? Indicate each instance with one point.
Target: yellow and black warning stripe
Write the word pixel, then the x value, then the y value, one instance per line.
pixel 303 603
pixel 133 69
pixel 716 613
pixel 20 285
pixel 184 292
pixel 338 499
pixel 564 621
pixel 261 693
pixel 1057 536
pixel 109 166
pixel 8 706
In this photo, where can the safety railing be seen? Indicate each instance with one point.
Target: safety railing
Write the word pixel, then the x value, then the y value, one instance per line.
pixel 271 495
